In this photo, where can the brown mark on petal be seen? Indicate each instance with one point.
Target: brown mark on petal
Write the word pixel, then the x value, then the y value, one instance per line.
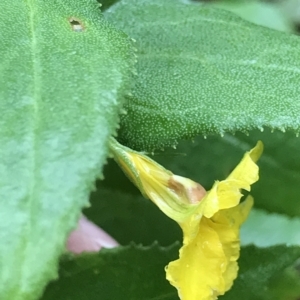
pixel 196 193
pixel 192 191
pixel 76 24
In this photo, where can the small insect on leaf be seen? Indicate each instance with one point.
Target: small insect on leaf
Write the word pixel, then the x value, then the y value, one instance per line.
pixel 76 24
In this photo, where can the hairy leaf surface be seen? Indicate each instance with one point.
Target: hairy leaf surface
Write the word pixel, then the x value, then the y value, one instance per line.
pixel 64 70
pixel 128 272
pixel 202 70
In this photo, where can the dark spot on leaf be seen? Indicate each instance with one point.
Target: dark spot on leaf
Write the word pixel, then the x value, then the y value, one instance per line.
pixel 76 24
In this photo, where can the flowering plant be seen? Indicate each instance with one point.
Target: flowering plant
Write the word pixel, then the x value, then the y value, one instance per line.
pixel 122 127
pixel 210 222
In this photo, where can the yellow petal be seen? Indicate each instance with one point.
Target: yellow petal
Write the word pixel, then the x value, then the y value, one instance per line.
pixel 224 194
pixel 176 196
pixel 207 265
pixel 227 224
pixel 208 259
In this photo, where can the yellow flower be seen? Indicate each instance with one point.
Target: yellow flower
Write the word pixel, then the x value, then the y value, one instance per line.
pixel 207 264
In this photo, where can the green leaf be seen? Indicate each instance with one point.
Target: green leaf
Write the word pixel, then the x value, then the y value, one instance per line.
pixel 131 272
pixel 259 268
pixel 137 273
pixel 64 70
pixel 202 70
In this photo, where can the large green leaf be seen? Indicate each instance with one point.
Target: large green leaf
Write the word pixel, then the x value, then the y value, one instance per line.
pixel 130 272
pixel 203 70
pixel 137 273
pixel 64 70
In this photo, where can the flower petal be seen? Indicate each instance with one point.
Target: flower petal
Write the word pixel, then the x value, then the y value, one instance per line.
pixel 227 223
pixel 88 237
pixel 207 265
pixel 174 195
pixel 198 271
pixel 224 194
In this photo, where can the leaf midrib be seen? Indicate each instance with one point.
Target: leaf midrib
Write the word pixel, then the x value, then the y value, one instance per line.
pixel 34 122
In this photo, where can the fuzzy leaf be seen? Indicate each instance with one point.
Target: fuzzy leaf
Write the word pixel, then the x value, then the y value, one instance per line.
pixel 64 70
pixel 202 70
pixel 130 272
